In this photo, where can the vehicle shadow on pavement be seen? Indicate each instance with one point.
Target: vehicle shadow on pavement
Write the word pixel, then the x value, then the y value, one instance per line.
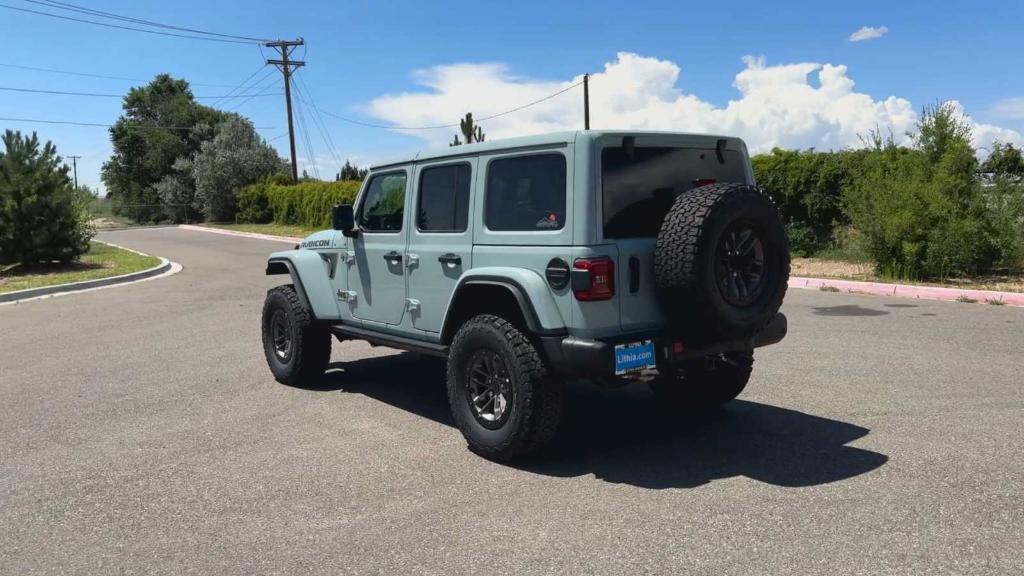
pixel 621 435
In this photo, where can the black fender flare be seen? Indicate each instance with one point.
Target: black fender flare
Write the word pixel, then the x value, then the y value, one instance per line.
pixel 518 293
pixel 276 266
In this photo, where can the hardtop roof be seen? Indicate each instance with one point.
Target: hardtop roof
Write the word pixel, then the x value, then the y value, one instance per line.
pixel 536 141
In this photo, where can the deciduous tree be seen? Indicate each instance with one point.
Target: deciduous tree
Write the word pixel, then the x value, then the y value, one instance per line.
pixel 161 123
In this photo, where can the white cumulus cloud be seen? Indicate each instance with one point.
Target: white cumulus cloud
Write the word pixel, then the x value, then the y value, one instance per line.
pixel 1011 108
pixel 802 105
pixel 868 33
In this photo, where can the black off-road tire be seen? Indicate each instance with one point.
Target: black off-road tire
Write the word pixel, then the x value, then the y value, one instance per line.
pixel 308 348
pixel 704 383
pixel 690 243
pixel 535 408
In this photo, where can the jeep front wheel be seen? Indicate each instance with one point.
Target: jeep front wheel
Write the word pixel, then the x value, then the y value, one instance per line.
pixel 297 348
pixel 501 394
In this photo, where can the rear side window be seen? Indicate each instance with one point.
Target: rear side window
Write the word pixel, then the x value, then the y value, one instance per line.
pixel 384 203
pixel 444 199
pixel 526 193
pixel 639 184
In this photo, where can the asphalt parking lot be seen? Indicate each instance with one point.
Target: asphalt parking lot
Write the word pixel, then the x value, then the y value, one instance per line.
pixel 142 433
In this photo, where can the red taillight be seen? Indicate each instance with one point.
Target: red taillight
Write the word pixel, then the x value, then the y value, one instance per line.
pixel 601 279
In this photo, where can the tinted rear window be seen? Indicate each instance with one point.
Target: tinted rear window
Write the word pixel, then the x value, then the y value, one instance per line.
pixel 444 199
pixel 526 193
pixel 640 184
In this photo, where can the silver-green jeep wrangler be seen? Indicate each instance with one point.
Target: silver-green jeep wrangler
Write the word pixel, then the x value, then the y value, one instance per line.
pixel 612 257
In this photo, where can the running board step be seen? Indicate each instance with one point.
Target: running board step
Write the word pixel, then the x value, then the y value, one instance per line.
pixel 391 341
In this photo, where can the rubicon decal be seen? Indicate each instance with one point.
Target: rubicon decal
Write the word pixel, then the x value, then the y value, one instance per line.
pixel 316 243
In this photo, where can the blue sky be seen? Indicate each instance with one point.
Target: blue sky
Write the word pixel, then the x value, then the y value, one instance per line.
pixel 672 66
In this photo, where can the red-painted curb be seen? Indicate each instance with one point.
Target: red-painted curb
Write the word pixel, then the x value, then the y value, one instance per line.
pixel 908 290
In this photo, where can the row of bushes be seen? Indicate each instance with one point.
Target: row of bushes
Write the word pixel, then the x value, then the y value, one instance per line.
pixel 808 186
pixel 928 210
pixel 305 204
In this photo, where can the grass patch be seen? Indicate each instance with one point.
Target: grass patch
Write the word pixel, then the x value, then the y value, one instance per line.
pixel 995 302
pixel 101 261
pixel 272 229
pixel 966 299
pixel 828 289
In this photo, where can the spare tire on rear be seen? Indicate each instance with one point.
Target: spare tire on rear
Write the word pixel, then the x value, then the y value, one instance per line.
pixel 721 262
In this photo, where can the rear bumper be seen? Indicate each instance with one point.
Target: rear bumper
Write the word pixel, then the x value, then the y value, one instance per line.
pixel 582 357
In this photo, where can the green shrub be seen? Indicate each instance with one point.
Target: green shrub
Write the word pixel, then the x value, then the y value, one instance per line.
pixel 924 212
pixel 802 240
pixel 304 204
pixel 42 217
pixel 848 244
pixel 254 205
pixel 808 188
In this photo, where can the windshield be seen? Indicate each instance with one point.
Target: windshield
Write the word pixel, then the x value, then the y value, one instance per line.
pixel 639 184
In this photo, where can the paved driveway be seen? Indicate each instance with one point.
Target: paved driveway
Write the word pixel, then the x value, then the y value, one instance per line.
pixel 142 433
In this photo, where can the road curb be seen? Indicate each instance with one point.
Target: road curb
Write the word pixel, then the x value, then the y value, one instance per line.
pixel 164 266
pixel 908 290
pixel 255 235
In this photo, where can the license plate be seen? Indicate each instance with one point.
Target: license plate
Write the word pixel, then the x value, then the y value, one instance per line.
pixel 634 357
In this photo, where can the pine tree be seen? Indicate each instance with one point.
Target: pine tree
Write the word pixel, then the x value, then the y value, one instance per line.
pixel 351 172
pixel 42 217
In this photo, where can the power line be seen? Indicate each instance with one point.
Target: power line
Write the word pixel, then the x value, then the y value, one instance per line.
pixel 308 142
pixel 109 25
pixel 318 120
pixel 89 75
pixel 455 125
pixel 258 87
pixel 63 93
pixel 93 12
pixel 101 125
pixel 240 85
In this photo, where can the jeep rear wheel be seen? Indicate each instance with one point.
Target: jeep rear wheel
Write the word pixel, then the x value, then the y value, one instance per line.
pixel 501 394
pixel 296 347
pixel 721 262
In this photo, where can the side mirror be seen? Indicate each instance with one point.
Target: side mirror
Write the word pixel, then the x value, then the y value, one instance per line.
pixel 343 219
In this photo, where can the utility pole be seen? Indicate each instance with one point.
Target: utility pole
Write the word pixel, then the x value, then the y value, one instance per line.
pixel 586 101
pixel 74 162
pixel 285 65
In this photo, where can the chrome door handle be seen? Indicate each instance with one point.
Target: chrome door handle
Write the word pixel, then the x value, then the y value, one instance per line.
pixel 393 257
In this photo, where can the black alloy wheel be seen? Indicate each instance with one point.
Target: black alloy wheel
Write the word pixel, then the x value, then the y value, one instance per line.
pixel 739 266
pixel 488 388
pixel 281 334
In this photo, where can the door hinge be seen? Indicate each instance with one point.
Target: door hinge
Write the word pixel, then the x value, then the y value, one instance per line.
pixel 346 296
pixel 412 304
pixel 412 260
pixel 348 256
